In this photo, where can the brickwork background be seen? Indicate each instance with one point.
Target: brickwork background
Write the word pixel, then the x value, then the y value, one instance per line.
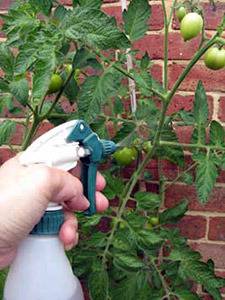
pixel 204 226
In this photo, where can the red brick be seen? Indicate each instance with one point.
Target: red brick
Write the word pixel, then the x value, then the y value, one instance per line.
pixel 216 252
pixel 221 113
pixel 5 154
pixel 212 80
pixel 193 227
pixel 184 133
pixel 4 4
pixel 212 17
pixel 178 49
pixel 17 137
pixel 156 72
pixel 216 229
pixel 175 193
pixel 186 103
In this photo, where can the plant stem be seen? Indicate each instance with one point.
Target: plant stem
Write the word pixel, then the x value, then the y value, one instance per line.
pixel 192 146
pixel 31 132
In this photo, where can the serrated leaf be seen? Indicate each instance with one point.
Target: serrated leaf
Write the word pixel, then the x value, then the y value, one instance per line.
pixel 20 90
pixel 72 88
pixel 148 238
pixel 114 185
pixel 98 282
pixel 43 71
pixel 6 60
pixel 7 127
pixel 81 58
pixel 187 178
pixel 4 87
pixel 186 294
pixel 92 221
pixel 44 6
pixel 118 106
pixel 60 12
pixel 145 62
pixel 98 126
pixel 95 92
pixel 144 82
pixel 94 28
pixel 217 134
pixel 206 174
pixel 148 112
pixel 124 131
pixel 89 3
pixel 136 19
pixel 174 214
pixel 127 261
pixel 147 201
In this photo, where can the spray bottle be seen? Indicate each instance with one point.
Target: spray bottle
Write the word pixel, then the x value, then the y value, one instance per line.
pixel 41 270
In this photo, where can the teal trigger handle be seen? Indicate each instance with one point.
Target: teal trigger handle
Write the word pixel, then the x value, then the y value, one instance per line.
pixel 99 149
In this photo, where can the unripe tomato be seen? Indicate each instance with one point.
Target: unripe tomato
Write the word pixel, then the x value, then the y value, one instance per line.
pixel 191 25
pixel 68 68
pixel 154 221
pixel 149 226
pixel 55 84
pixel 125 156
pixel 76 75
pixel 180 13
pixel 147 146
pixel 215 58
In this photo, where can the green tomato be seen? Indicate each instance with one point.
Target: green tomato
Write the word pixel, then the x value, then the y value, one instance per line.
pixel 68 68
pixel 147 146
pixel 125 156
pixel 180 13
pixel 191 25
pixel 149 226
pixel 76 75
pixel 154 221
pixel 55 84
pixel 215 58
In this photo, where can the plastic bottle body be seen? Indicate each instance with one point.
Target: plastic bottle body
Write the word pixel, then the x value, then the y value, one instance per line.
pixel 41 271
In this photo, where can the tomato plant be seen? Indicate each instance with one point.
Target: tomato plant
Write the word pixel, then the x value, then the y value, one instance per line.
pixel 141 253
pixel 181 12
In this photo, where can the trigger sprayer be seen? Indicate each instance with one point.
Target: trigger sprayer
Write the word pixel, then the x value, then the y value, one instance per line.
pixel 41 270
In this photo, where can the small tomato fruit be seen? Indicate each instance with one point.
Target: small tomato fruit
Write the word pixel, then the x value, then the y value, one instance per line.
pixel 55 84
pixel 180 13
pixel 125 156
pixel 147 146
pixel 68 68
pixel 214 58
pixel 191 25
pixel 154 221
pixel 148 226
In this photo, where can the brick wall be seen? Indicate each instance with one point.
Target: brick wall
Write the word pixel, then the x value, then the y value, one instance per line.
pixel 204 226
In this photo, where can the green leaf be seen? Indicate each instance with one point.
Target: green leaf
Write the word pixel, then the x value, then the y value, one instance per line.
pixel 60 12
pixel 148 112
pixel 94 28
pixel 96 91
pixel 174 214
pixel 145 62
pixel 217 134
pixel 44 6
pixel 124 131
pixel 114 185
pixel 20 90
pixel 206 174
pixel 147 201
pixel 200 112
pixel 72 88
pixel 128 262
pixel 136 19
pixel 93 220
pixel 98 282
pixel 148 238
pixel 7 127
pixel 118 106
pixel 144 82
pixel 43 71
pixel 4 87
pixel 82 58
pixel 6 60
pixel 89 3
pixel 98 126
pixel 186 294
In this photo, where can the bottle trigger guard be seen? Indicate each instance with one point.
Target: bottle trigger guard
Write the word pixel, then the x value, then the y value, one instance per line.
pixel 66 144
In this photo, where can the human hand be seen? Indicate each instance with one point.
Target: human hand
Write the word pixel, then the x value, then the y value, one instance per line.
pixel 25 194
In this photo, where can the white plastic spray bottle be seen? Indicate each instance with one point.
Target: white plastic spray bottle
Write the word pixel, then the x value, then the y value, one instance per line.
pixel 41 270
